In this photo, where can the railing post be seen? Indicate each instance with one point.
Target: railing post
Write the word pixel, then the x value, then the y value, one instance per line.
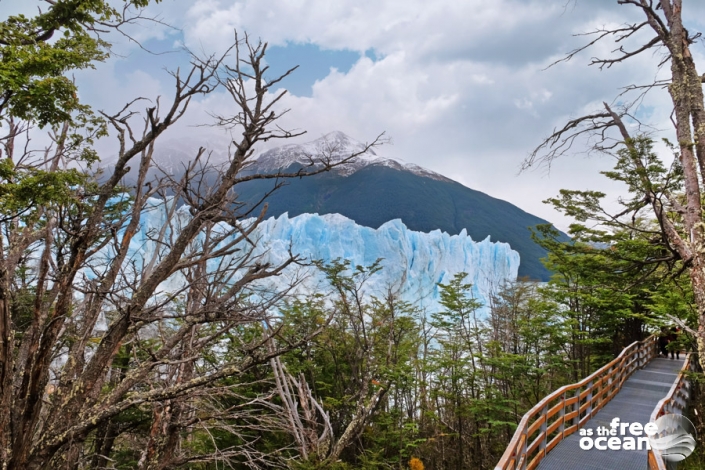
pixel 611 373
pixel 588 411
pixel 576 408
pixel 561 416
pixel 610 382
pixel 523 449
pixel 653 349
pixel 542 444
pixel 645 350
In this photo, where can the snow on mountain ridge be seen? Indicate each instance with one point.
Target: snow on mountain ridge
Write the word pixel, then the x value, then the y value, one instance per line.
pixel 338 146
pixel 172 155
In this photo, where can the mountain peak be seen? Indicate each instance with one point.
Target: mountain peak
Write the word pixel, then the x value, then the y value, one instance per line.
pixel 342 143
pixel 337 146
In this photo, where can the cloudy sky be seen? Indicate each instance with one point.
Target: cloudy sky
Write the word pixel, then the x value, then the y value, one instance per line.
pixel 460 86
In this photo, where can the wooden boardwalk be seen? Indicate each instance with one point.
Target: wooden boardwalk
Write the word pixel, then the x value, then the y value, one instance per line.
pixel 635 402
pixel 637 386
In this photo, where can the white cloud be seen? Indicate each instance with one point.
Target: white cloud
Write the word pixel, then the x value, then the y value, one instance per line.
pixel 388 26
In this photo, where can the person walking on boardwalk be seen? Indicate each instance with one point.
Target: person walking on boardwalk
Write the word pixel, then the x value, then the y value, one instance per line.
pixel 674 343
pixel 663 342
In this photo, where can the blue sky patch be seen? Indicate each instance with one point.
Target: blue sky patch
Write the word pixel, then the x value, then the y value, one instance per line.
pixel 163 56
pixel 314 64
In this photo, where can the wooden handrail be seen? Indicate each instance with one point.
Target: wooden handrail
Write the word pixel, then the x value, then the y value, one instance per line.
pixel 567 409
pixel 674 402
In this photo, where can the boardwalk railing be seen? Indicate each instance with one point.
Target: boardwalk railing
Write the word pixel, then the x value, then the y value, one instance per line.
pixel 674 402
pixel 567 409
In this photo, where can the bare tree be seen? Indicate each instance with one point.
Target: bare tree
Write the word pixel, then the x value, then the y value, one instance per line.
pixel 91 329
pixel 663 20
pixel 368 336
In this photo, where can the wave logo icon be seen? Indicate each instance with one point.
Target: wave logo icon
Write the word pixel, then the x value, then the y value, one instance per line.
pixel 675 437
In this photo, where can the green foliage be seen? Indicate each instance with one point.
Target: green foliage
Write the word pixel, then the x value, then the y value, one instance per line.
pixel 479 375
pixel 31 188
pixel 458 303
pixel 36 56
pixel 591 295
pixel 32 68
pixel 640 168
pixel 37 53
pixel 369 344
pixel 455 385
pixel 619 273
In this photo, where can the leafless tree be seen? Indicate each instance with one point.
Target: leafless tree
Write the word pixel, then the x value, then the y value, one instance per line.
pixel 370 334
pixel 91 328
pixel 663 21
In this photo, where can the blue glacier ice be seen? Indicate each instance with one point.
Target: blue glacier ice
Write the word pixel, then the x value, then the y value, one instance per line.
pixel 413 262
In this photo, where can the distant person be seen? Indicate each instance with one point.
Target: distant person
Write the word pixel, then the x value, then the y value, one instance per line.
pixel 673 343
pixel 663 342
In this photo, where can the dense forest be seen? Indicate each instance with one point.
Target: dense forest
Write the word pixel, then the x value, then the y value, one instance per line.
pixel 199 367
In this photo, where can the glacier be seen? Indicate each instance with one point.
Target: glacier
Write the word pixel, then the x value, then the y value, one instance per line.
pixel 413 262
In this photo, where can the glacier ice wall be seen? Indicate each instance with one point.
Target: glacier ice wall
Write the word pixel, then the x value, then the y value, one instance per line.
pixel 413 262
